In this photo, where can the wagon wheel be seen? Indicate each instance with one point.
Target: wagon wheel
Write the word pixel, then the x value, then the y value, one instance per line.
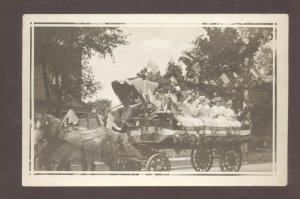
pixel 121 165
pixel 231 160
pixel 127 165
pixel 202 159
pixel 158 162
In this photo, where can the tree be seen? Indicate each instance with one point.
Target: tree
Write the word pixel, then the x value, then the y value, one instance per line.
pixel 101 105
pixel 228 51
pixel 175 70
pixel 62 54
pixel 264 62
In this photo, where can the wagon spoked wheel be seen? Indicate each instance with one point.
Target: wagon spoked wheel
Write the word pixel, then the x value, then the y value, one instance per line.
pixel 202 159
pixel 231 160
pixel 158 162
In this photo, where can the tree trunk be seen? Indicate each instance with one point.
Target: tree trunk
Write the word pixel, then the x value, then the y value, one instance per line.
pixel 46 85
pixel 58 94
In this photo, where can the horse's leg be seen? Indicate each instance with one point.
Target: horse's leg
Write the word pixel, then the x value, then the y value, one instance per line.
pixel 91 162
pixel 48 167
pixel 92 166
pixel 67 166
pixel 60 166
pixel 83 160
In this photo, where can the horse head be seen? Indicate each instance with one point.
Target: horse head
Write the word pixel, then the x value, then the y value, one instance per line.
pixel 46 129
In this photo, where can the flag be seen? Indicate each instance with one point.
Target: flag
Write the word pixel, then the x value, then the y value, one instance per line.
pixel 246 95
pixel 235 75
pixel 185 56
pixel 197 67
pixel 224 78
pixel 152 66
pixel 172 60
pixel 173 80
pixel 71 117
pixel 254 73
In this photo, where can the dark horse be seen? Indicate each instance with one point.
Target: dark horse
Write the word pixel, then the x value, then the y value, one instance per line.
pixel 53 151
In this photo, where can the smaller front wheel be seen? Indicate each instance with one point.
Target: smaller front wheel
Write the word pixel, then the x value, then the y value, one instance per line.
pixel 158 162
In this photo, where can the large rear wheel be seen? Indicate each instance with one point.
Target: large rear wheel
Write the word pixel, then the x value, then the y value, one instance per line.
pixel 202 159
pixel 231 159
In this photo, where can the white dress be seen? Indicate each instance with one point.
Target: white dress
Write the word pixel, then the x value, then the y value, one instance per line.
pixel 229 114
pixel 219 118
pixel 204 113
pixel 186 116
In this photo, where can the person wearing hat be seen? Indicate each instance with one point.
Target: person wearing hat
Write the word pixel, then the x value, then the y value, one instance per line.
pixel 157 102
pixel 230 115
pixel 189 97
pixel 202 107
pixel 228 110
pixel 217 110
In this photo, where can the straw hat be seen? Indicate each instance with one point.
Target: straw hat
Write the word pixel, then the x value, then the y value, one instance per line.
pixel 229 102
pixel 201 98
pixel 217 99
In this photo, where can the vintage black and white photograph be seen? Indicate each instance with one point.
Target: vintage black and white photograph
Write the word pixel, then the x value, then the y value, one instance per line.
pixel 155 100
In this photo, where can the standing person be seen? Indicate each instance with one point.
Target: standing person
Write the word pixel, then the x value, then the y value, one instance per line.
pixel 157 102
pixel 167 107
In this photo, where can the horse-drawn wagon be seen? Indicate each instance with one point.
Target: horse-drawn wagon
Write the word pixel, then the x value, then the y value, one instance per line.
pixel 146 133
pixel 153 131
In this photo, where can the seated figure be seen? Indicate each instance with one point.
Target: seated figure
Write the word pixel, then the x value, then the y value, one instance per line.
pixel 203 108
pixel 217 112
pixel 230 116
pixel 186 113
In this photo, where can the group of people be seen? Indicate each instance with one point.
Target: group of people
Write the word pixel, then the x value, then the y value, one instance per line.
pixel 190 109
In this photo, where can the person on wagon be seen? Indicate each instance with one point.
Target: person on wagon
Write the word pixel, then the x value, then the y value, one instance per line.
pixel 157 102
pixel 189 97
pixel 230 115
pixel 228 112
pixel 217 110
pixel 202 108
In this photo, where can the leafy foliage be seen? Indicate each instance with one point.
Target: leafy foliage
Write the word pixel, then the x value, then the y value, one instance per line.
pixel 264 62
pixel 63 53
pixel 173 71
pixel 101 105
pixel 228 51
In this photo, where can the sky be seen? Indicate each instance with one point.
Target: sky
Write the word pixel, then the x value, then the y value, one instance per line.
pixel 158 44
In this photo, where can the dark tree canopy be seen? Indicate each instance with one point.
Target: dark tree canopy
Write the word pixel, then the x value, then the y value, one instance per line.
pixel 102 105
pixel 62 54
pixel 224 50
pixel 230 51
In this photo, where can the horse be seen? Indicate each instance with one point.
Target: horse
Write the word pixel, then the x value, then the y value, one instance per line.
pixel 52 150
